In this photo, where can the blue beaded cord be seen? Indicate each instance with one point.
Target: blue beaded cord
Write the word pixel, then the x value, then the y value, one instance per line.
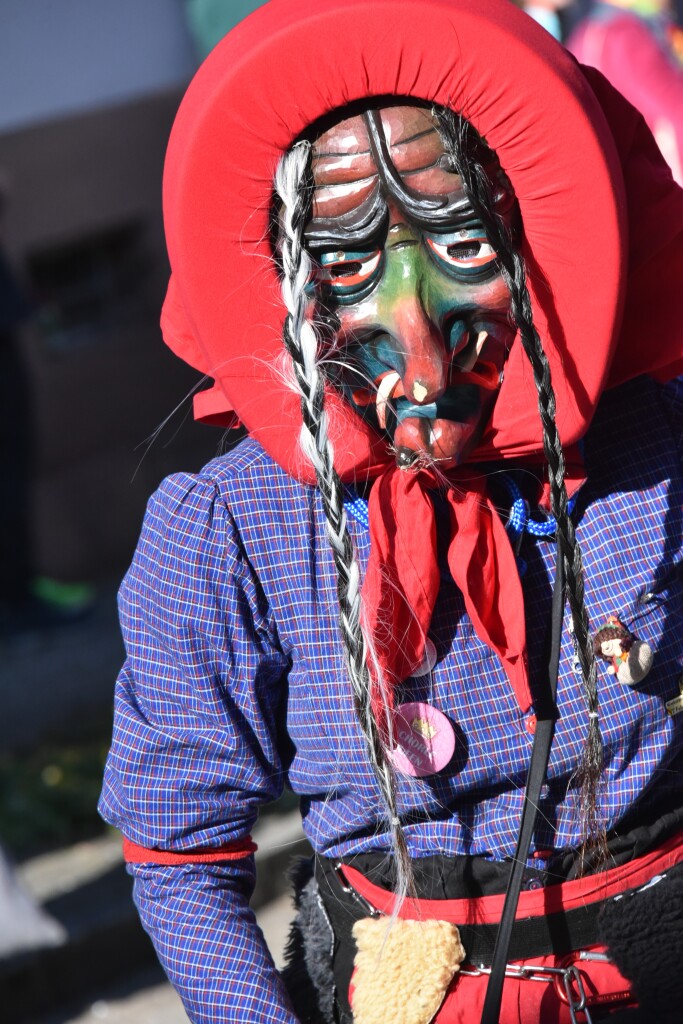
pixel 519 519
pixel 356 507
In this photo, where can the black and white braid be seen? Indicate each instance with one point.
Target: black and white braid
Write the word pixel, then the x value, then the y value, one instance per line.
pixel 293 185
pixel 458 136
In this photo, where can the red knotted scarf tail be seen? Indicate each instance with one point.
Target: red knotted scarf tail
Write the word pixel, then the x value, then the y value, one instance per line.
pixel 402 578
pixel 484 567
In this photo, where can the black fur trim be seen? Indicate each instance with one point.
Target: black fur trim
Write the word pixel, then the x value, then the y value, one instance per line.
pixel 643 931
pixel 308 974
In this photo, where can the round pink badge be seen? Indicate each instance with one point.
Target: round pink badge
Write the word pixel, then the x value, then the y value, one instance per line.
pixel 425 740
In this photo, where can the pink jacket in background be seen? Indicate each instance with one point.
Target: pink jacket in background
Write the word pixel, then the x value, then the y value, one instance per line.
pixel 634 54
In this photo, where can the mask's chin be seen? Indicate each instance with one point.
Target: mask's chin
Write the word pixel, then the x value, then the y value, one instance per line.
pixel 419 440
pixel 443 433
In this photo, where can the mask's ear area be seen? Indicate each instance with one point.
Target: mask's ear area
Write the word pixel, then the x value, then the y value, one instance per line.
pixel 210 406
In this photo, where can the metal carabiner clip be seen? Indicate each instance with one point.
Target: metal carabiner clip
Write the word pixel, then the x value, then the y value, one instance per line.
pixel 349 890
pixel 570 987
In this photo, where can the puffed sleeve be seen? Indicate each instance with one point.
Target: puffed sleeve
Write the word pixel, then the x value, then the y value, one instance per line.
pixel 195 749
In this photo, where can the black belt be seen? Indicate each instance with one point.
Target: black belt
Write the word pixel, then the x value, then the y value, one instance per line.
pixel 558 933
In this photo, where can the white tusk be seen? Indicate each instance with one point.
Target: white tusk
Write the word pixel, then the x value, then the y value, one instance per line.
pixel 468 365
pixel 385 389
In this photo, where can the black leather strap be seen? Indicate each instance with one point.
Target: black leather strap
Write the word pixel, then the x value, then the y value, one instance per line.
pixel 546 716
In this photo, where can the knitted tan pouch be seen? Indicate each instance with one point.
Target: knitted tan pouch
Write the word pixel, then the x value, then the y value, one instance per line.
pixel 402 969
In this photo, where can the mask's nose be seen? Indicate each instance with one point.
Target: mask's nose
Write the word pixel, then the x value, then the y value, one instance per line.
pixel 424 373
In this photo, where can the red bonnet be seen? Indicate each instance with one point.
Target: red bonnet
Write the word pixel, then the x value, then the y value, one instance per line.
pixel 593 248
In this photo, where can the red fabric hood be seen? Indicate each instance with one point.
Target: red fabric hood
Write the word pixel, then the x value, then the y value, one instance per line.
pixel 604 261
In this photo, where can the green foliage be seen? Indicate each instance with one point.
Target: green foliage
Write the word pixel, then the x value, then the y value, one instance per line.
pixel 48 798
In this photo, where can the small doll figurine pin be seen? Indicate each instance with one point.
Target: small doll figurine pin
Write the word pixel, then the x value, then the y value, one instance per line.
pixel 630 659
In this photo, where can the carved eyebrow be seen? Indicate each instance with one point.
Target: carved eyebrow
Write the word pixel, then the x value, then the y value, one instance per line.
pixel 368 220
pixel 364 222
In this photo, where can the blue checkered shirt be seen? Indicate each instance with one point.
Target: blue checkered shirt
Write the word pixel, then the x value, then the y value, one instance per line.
pixel 234 687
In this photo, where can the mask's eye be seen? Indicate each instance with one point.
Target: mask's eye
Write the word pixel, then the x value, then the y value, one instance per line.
pixel 347 272
pixel 463 251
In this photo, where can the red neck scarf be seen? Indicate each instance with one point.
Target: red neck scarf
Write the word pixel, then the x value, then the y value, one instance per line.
pixel 403 575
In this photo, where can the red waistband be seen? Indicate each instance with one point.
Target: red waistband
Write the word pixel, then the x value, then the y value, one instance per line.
pixel 532 903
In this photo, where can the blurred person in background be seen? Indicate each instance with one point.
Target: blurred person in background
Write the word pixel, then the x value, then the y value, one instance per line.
pixel 556 16
pixel 637 46
pixel 210 20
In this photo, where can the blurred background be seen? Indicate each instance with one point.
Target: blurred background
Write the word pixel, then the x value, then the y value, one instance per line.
pixel 94 412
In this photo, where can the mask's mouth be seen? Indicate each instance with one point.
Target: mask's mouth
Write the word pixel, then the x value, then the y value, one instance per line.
pixel 441 430
pixel 388 387
pixel 483 374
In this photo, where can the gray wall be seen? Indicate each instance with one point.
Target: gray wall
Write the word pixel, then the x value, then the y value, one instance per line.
pixel 60 57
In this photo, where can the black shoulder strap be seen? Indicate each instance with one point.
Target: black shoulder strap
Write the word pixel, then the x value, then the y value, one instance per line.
pixel 546 716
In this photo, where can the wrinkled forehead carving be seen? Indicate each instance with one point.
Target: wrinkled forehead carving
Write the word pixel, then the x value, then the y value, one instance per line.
pixel 387 154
